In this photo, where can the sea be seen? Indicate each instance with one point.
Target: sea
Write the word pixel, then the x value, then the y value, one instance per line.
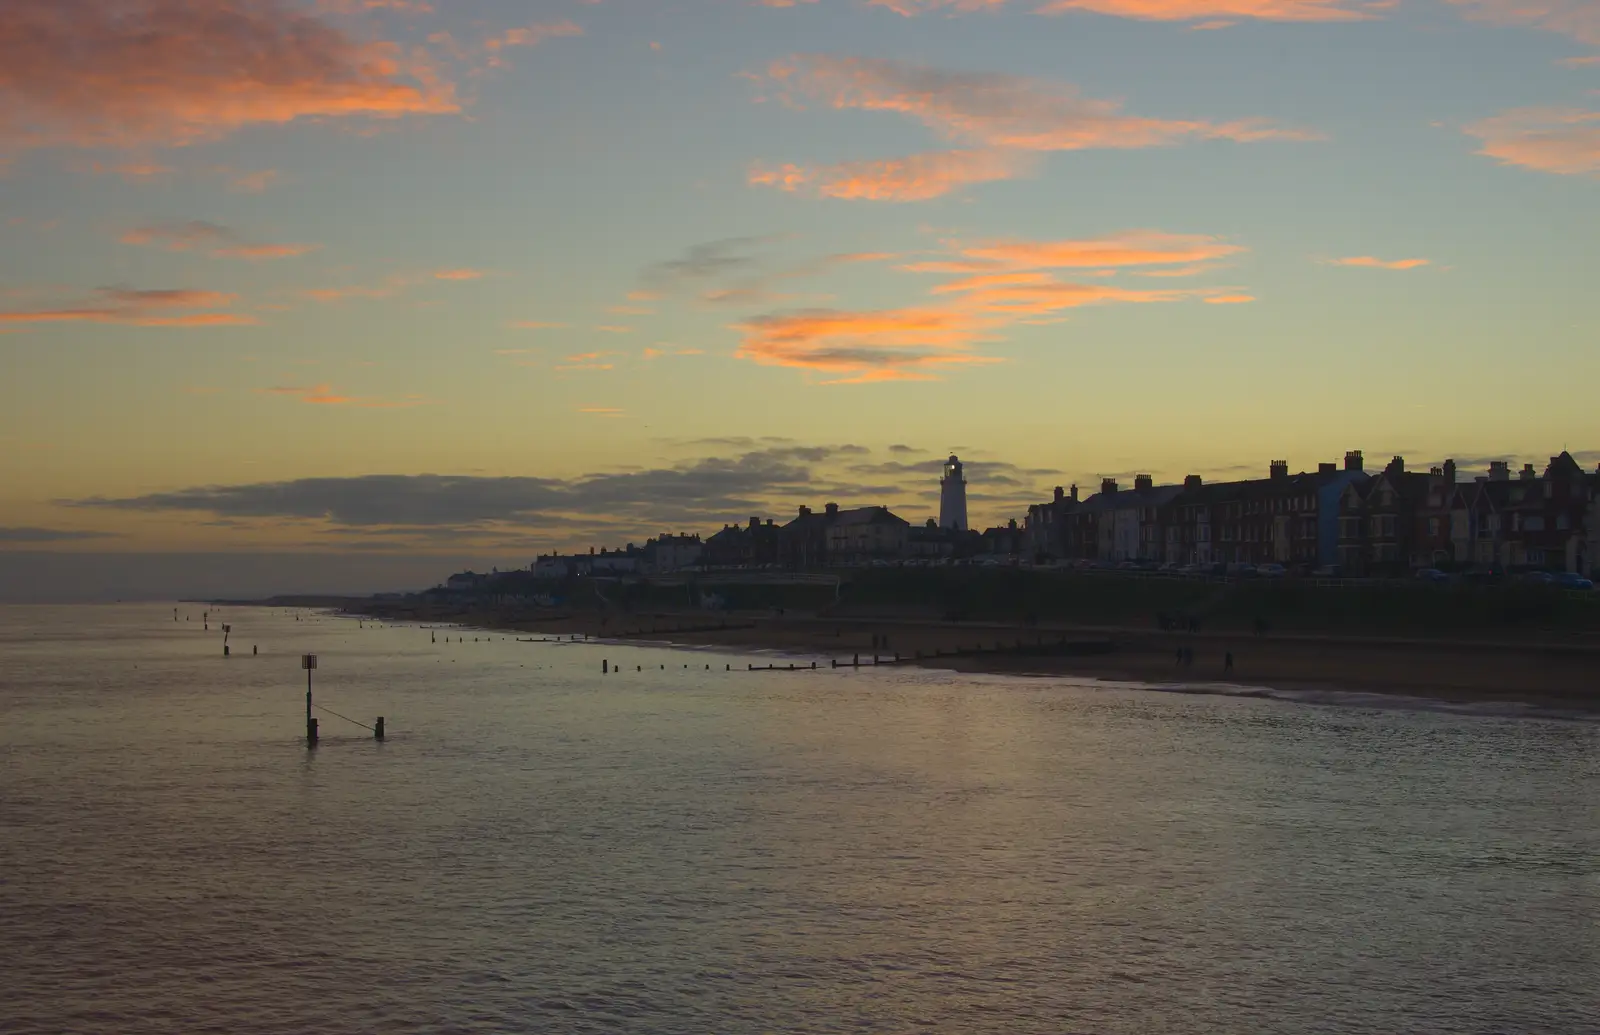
pixel 609 837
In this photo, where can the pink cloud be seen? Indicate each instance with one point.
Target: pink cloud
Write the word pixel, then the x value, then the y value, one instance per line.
pixel 1220 12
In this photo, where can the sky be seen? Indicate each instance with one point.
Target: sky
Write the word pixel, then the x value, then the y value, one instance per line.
pixel 486 278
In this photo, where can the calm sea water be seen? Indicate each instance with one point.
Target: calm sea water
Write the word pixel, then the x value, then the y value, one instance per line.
pixel 540 848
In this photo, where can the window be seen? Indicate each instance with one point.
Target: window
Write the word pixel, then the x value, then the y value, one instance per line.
pixel 1433 526
pixel 1383 526
pixel 1561 522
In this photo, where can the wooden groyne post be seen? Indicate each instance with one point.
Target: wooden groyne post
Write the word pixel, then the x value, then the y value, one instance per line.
pixel 309 663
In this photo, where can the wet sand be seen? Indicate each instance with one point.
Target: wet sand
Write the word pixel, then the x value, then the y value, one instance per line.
pixel 1556 674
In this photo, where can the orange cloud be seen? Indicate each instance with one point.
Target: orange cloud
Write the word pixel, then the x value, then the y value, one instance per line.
pixel 1372 262
pixel 1005 117
pixel 1229 299
pixel 999 284
pixel 1564 141
pixel 896 344
pixel 458 274
pixel 536 325
pixel 140 309
pixel 126 73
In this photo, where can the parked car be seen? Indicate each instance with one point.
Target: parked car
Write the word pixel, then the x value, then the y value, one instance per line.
pixel 1271 571
pixel 1432 575
pixel 1327 571
pixel 1542 578
pixel 1572 580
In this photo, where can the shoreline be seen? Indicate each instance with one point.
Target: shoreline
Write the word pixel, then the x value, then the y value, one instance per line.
pixel 1562 677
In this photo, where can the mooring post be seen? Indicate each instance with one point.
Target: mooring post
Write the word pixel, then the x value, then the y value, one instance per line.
pixel 311 733
pixel 605 666
pixel 377 731
pixel 855 661
pixel 874 659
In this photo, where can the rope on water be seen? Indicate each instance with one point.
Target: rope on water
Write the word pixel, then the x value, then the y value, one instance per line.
pixel 346 718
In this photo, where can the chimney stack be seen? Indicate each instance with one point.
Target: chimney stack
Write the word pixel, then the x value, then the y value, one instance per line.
pixel 1327 468
pixel 1191 481
pixel 805 511
pixel 1353 461
pixel 1528 474
pixel 1074 490
pixel 1108 486
pixel 1279 469
pixel 832 509
pixel 1143 483
pixel 1396 466
pixel 1499 471
pixel 1059 494
pixel 1450 472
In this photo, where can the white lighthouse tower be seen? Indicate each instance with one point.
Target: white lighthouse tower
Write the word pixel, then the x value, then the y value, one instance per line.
pixel 953 497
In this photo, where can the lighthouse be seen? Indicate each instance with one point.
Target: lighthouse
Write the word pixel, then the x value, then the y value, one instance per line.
pixel 953 497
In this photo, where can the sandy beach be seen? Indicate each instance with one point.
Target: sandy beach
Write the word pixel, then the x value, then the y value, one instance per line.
pixel 1553 674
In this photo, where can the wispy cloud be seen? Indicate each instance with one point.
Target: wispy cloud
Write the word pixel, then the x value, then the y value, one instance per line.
pixel 128 73
pixel 918 177
pixel 990 285
pixel 1564 141
pixel 536 325
pixel 527 36
pixel 326 395
pixel 459 274
pixel 212 238
pixel 1224 11
pixel 1579 19
pixel 1372 262
pixel 1005 121
pixel 171 307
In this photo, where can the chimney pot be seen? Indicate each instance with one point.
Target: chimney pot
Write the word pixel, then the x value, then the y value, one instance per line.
pixel 1143 482
pixel 1280 469
pixel 1074 490
pixel 1353 460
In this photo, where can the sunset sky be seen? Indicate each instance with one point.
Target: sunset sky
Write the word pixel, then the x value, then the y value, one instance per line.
pixel 489 277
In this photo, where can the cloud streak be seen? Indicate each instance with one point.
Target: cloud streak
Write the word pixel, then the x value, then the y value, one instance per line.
pixel 212 238
pixel 1002 122
pixel 1224 12
pixel 152 308
pixel 1372 262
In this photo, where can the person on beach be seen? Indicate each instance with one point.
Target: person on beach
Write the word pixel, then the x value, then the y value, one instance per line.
pixel 1227 662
